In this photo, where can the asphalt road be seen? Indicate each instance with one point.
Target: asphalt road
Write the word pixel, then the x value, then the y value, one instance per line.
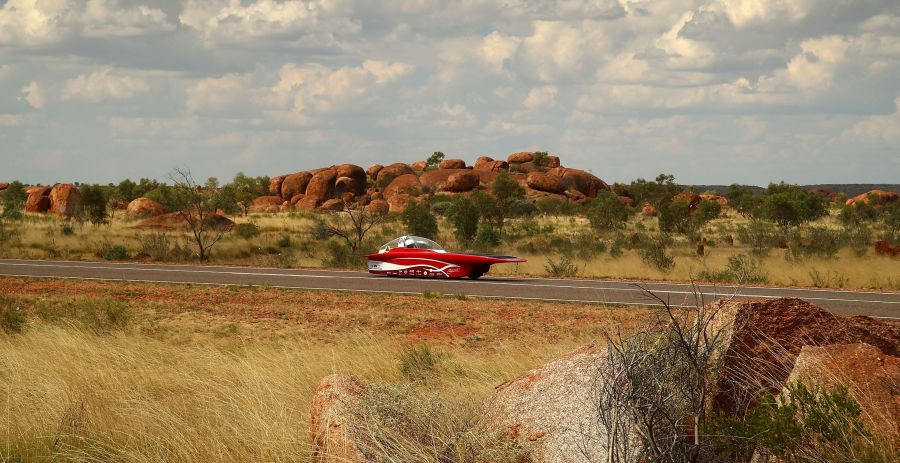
pixel 871 303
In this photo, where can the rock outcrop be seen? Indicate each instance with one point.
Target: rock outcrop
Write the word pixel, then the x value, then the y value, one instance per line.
pixel 452 164
pixel 142 208
pixel 761 341
pixel 295 184
pixel 38 199
pixel 373 170
pixel 584 182
pixel 872 378
pixel 4 185
pixel 874 198
pixel 406 183
pixel 379 207
pixel 350 178
pixel 275 184
pixel 335 205
pixel 524 156
pixel 175 221
pixel 485 163
pixel 321 185
pixel 461 181
pixel 649 211
pixel 542 181
pixel 551 407
pixel 267 204
pixel 333 421
pixel 394 170
pixel 419 166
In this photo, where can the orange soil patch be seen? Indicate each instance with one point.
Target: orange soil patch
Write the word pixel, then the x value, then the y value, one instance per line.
pixel 273 313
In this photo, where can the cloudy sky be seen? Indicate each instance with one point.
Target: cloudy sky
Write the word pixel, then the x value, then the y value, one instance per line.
pixel 711 91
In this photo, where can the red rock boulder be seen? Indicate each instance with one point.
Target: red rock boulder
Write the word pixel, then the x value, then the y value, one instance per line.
pixel 871 376
pixel 691 199
pixel 394 170
pixel 523 156
pixel 308 203
pixel 372 171
pixel 887 248
pixel 141 208
pixel 452 164
pixel 295 184
pixel 321 185
pixel 38 199
pixel 584 182
pixel 461 181
pixel 552 162
pixel 626 201
pixel 404 184
pixel 485 163
pixel 397 203
pixel 65 200
pixel 266 204
pixel 762 339
pixel 542 181
pixel 721 200
pixel 275 184
pixel 649 211
pixel 874 198
pixel 351 178
pixel 419 166
pixel 296 199
pixel 4 185
pixel 335 205
pixel 379 207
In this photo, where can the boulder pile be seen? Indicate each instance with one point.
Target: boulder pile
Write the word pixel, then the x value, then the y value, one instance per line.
pixel 874 198
pixel 62 199
pixel 764 345
pixel 396 184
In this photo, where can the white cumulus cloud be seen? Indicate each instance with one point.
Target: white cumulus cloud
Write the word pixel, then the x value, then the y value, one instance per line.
pixel 103 85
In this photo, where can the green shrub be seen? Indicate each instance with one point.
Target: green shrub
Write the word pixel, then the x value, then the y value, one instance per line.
pixel 487 237
pixel 110 251
pixel 606 212
pixel 246 230
pixel 653 253
pixel 808 424
pixel 421 362
pixel 419 220
pixel 98 315
pixel 12 318
pixel 284 241
pixel 67 229
pixel 759 235
pixel 464 216
pixel 561 267
pixel 740 269
pixel 442 207
pixel 340 256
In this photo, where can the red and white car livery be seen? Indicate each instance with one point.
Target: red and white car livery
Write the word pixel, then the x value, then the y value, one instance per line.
pixel 414 256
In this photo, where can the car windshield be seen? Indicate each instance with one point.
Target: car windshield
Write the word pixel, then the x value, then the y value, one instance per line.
pixel 411 242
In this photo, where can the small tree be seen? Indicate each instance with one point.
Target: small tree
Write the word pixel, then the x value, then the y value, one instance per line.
pixel 245 189
pixel 434 159
pixel 13 200
pixel 890 216
pixel 464 216
pixel 197 207
pixel 93 204
pixel 506 191
pixel 540 158
pixel 126 190
pixel 656 192
pixel 352 224
pixel 419 220
pixel 606 212
pixel 675 216
pixel 790 205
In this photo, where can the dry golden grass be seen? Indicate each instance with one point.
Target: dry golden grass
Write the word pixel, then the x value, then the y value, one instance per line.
pixel 227 374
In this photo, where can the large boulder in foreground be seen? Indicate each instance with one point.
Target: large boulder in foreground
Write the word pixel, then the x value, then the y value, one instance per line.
pixel 350 177
pixel 551 407
pixel 141 208
pixel 333 420
pixel 872 378
pixel 761 340
pixel 275 184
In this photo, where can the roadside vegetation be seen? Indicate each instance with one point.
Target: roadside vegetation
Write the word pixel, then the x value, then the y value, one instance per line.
pixel 102 371
pixel 784 235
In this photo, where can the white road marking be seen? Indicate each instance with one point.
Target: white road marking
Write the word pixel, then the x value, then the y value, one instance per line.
pixel 380 291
